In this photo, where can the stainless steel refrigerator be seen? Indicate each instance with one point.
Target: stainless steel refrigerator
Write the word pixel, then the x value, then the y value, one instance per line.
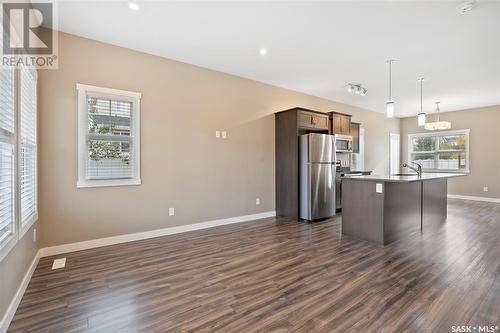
pixel 317 176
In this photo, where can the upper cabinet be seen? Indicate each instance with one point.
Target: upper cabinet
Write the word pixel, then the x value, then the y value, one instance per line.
pixel 355 136
pixel 312 120
pixel 340 123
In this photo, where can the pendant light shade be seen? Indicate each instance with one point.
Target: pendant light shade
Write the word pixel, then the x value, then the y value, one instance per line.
pixel 421 114
pixel 421 119
pixel 389 106
pixel 389 112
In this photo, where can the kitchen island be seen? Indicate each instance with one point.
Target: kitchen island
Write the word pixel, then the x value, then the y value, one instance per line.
pixel 383 209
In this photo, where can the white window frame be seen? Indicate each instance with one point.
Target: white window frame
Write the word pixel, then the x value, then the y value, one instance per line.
pixel 10 241
pixel 25 225
pixel 19 228
pixel 135 97
pixel 465 132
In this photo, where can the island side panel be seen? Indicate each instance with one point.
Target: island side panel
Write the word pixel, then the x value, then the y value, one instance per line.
pixel 435 202
pixel 362 210
pixel 401 210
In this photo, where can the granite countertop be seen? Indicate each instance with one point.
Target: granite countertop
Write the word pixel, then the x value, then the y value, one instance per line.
pixel 404 178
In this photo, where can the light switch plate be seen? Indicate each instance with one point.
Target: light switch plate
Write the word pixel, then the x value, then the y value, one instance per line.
pixel 217 134
pixel 59 263
pixel 171 212
pixel 257 201
pixel 378 188
pixel 224 134
pixel 485 189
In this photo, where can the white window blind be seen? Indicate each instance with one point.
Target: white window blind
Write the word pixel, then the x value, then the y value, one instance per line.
pixel 28 146
pixel 7 144
pixel 109 137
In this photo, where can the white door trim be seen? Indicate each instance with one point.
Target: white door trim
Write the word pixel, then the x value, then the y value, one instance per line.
pixel 394 137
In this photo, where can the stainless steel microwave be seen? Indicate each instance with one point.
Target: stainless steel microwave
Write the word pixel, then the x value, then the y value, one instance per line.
pixel 343 143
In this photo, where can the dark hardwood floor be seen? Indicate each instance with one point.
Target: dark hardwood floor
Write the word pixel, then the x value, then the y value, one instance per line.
pixel 276 276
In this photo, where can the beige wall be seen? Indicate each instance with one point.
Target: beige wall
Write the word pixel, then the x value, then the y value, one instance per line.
pixel 183 165
pixel 484 161
pixel 14 266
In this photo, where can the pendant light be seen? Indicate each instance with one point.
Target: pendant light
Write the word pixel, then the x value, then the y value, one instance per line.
pixel 438 125
pixel 421 114
pixel 389 105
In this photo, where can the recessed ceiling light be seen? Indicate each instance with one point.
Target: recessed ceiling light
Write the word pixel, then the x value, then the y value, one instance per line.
pixel 134 6
pixel 263 52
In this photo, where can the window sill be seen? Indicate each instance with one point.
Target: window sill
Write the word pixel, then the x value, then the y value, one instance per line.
pixel 107 182
pixel 446 171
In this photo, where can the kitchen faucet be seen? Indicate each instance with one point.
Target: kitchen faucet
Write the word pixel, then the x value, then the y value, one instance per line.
pixel 418 169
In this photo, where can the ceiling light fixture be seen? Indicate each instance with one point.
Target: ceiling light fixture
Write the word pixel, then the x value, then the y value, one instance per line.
pixel 389 105
pixel 437 125
pixel 421 114
pixel 263 52
pixel 358 89
pixel 466 6
pixel 134 6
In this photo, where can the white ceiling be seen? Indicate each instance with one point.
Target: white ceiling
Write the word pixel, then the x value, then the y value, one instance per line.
pixel 318 47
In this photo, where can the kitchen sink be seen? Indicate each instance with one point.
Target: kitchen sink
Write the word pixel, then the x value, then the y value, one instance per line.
pixel 405 174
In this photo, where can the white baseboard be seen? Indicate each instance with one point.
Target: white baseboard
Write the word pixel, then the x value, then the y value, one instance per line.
pixel 72 247
pixel 11 310
pixel 467 197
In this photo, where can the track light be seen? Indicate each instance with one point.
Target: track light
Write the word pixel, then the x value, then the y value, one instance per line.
pixel 357 89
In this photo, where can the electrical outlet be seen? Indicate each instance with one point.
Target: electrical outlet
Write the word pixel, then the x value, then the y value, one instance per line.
pixel 224 134
pixel 217 134
pixel 59 263
pixel 34 235
pixel 171 212
pixel 378 188
pixel 485 189
pixel 257 201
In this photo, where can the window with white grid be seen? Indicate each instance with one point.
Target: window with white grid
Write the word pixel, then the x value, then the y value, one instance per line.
pixel 108 137
pixel 28 147
pixel 7 159
pixel 446 151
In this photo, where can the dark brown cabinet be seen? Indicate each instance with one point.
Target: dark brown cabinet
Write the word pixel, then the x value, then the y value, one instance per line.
pixel 340 123
pixel 311 120
pixel 354 132
pixel 289 125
